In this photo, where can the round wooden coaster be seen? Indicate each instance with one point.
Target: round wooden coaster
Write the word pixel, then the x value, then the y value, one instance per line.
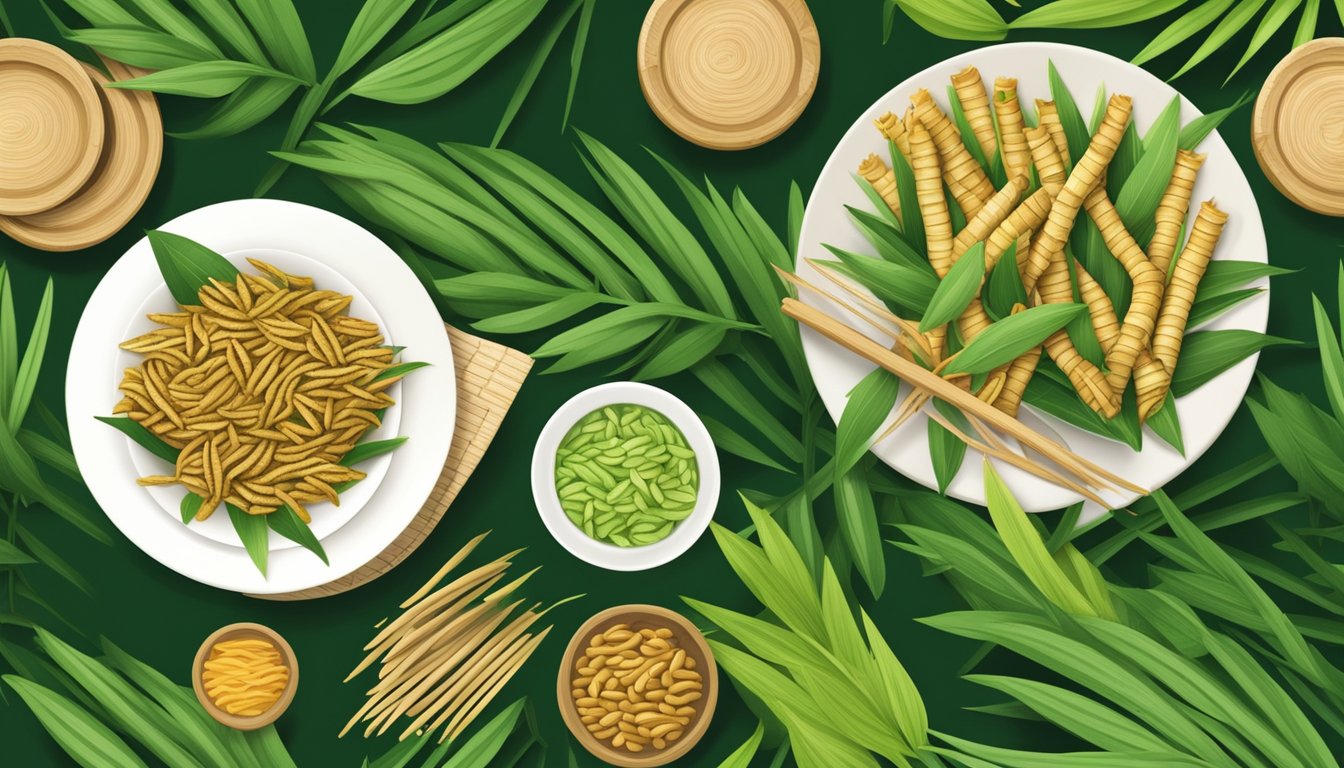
pixel 1298 127
pixel 51 126
pixel 728 74
pixel 121 181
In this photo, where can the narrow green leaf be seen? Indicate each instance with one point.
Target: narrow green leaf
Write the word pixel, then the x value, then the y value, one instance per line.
pixel 1085 718
pixel 1238 17
pixel 1075 130
pixel 187 265
pixel 858 524
pixel 375 19
pixel 1306 25
pixel 1270 23
pixel 82 737
pixel 277 23
pixel 576 57
pixel 1011 337
pixel 1332 359
pixel 796 209
pixel 866 409
pixel 742 756
pixel 1182 28
pixel 254 533
pixel 728 388
pixel 946 450
pixel 12 555
pixel 486 743
pixel 888 241
pixel 142 47
pixel 956 19
pixel 9 341
pixel 912 216
pixel 253 102
pixel 1138 199
pixel 1167 425
pixel 25 380
pixel 1198 129
pixel 729 440
pixel 1205 354
pixel 207 79
pixel 142 437
pixel 190 506
pixel 956 289
pixel 685 349
pixel 1210 308
pixel 223 20
pixel 539 56
pixel 1003 288
pixel 1092 14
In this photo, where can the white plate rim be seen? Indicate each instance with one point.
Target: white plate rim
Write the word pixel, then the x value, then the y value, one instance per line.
pixel 835 371
pixel 429 397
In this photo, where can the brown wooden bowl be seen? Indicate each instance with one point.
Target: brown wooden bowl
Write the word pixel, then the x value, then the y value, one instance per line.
pixel 234 632
pixel 686 636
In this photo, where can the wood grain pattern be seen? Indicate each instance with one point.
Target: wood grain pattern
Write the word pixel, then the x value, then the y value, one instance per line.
pixel 728 74
pixel 1298 127
pixel 489 376
pixel 121 181
pixel 51 126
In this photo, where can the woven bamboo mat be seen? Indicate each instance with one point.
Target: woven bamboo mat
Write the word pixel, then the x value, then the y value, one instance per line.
pixel 489 376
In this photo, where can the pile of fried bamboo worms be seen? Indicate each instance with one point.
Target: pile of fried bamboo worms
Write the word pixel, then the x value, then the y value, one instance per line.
pixel 1143 347
pixel 450 652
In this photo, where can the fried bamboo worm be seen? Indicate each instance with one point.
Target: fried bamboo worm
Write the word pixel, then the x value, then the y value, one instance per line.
pixel 1045 156
pixel 876 172
pixel 1008 113
pixel 1189 270
pixel 1151 379
pixel 870 350
pixel 1055 287
pixel 933 207
pixel 1019 375
pixel 970 90
pixel 965 178
pixel 1048 117
pixel 991 217
pixel 1087 173
pixel 894 129
pixel 1136 332
pixel 1173 208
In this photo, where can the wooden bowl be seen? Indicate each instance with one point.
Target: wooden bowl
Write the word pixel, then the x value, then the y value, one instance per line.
pixel 235 632
pixel 686 636
pixel 1297 124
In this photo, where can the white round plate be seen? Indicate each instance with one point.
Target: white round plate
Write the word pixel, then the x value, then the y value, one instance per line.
pixel 572 537
pixel 305 240
pixel 1203 414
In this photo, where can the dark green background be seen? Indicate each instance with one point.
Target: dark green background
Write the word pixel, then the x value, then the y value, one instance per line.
pixel 162 617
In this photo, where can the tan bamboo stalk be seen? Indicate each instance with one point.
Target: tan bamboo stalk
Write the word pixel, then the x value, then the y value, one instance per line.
pixel 1024 462
pixel 1189 270
pixel 965 178
pixel 1008 112
pixel 875 171
pixel 894 129
pixel 1173 208
pixel 970 90
pixel 1055 287
pixel 1047 115
pixel 1087 173
pixel 870 350
pixel 1045 156
pixel 1137 330
pixel 446 569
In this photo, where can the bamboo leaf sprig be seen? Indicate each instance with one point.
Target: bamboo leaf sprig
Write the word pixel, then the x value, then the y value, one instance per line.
pixel 254 55
pixel 35 460
pixel 1223 20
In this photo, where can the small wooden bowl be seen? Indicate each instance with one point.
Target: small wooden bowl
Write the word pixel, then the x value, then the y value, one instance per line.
pixel 235 632
pixel 686 636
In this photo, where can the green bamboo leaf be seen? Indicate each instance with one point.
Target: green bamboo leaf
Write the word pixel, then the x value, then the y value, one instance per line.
pixel 684 350
pixel 956 290
pixel 909 289
pixel 540 54
pixel 1274 18
pixel 1011 337
pixel 1167 425
pixel 946 450
pixel 172 21
pixel 1205 354
pixel 740 400
pixel 629 317
pixel 912 216
pixel 796 208
pixel 729 440
pixel 1198 129
pixel 1138 199
pixel 858 525
pixel 253 531
pixel 1306 25
pixel 1003 288
pixel 223 20
pixel 1212 307
pixel 189 507
pixel 439 64
pixel 888 241
pixel 486 743
pixel 105 13
pixel 1075 130
pixel 968 136
pixel 763 580
pixel 12 555
pixel 998 757
pixel 888 20
pixel 1182 28
pixel 1238 17
pixel 9 341
pixel 867 407
pixel 269 749
pixel 1092 14
pixel 25 379
pixel 956 19
pixel 254 101
pixel 743 755
pixel 281 31
pixel 1084 717
pixel 1224 275
pixel 576 57
pixel 878 203
pixel 1029 551
pixel 83 738
pixel 142 437
pixel 57 564
pixel 1060 400
pixel 142 47
pixel 375 19
pixel 541 316
pixel 207 79
pixel 1122 166
pixel 370 449
pixel 1332 359
pixel 187 265
pixel 995 573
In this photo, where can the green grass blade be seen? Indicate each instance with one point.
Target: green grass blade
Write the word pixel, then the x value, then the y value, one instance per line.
pixel 1205 354
pixel 25 380
pixel 858 525
pixel 541 53
pixel 76 731
pixel 253 532
pixel 1182 29
pixel 576 57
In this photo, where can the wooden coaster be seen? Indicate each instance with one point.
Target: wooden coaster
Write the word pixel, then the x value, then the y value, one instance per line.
pixel 51 126
pixel 1298 127
pixel 728 74
pixel 489 376
pixel 125 173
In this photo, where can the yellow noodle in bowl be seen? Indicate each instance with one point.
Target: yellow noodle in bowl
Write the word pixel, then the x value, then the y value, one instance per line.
pixel 263 387
pixel 245 676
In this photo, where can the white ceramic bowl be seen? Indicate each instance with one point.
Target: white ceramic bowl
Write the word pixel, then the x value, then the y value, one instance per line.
pixel 573 538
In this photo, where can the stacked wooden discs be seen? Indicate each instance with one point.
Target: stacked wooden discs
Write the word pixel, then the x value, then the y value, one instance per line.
pixel 1298 127
pixel 728 74
pixel 77 160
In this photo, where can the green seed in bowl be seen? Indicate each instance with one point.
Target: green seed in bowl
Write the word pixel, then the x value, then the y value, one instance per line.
pixel 625 475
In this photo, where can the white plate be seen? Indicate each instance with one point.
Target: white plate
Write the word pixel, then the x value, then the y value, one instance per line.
pixel 386 291
pixel 1203 414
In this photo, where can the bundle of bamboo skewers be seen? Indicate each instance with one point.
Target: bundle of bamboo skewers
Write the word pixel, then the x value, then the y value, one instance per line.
pixel 446 657
pixel 1033 215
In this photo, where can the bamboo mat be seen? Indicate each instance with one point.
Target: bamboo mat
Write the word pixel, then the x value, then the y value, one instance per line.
pixel 489 376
